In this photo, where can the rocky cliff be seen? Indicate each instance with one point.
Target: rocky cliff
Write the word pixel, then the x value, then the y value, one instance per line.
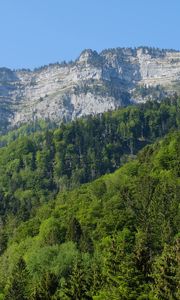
pixel 92 84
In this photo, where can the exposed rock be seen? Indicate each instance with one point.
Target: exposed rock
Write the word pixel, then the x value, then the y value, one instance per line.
pixel 94 83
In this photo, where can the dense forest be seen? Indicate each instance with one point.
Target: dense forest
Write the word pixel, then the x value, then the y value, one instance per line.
pixel 41 162
pixel 67 232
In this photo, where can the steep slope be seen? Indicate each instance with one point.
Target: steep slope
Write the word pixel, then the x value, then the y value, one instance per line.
pixel 94 83
pixel 115 238
pixel 34 168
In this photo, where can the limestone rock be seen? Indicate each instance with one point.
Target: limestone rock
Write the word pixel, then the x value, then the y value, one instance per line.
pixel 94 83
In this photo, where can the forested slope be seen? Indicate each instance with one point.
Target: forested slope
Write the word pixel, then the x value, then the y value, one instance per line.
pixel 36 166
pixel 115 238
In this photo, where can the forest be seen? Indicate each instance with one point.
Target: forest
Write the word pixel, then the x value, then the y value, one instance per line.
pixel 91 209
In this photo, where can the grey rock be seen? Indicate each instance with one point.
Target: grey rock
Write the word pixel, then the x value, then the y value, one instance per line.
pixel 94 83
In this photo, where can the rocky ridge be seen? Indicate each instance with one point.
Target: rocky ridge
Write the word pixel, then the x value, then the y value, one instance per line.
pixel 92 84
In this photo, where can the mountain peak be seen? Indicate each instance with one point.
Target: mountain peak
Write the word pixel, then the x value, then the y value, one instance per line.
pixel 87 55
pixel 94 83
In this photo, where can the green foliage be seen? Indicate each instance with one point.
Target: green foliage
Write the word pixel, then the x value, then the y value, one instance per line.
pixel 166 273
pixel 114 238
pixel 16 287
pixel 51 233
pixel 33 169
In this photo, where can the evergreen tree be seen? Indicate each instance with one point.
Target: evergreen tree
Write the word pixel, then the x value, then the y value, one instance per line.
pixel 16 288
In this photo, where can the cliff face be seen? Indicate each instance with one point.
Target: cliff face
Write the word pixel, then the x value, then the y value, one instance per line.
pixel 94 83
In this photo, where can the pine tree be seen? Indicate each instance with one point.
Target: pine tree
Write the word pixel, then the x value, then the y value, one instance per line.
pixel 74 231
pixel 17 286
pixel 166 274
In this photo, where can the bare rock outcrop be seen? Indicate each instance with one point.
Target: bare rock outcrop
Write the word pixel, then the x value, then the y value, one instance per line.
pixel 92 84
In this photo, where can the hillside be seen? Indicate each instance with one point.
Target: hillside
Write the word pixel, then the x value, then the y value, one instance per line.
pixel 115 238
pixel 34 168
pixel 94 83
pixel 64 235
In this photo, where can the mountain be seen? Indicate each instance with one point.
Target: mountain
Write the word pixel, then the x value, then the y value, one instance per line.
pixel 92 84
pixel 65 235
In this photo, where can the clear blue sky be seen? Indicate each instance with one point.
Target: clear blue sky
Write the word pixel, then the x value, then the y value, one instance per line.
pixel 38 32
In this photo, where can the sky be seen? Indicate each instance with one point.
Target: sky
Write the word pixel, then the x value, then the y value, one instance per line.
pixel 38 32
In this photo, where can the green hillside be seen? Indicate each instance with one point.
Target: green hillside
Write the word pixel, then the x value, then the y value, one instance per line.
pixel 115 238
pixel 37 165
